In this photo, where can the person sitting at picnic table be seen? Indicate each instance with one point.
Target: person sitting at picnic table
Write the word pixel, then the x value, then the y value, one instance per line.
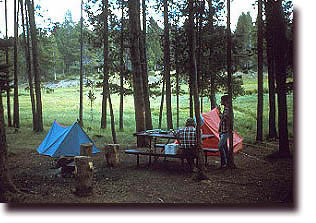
pixel 186 138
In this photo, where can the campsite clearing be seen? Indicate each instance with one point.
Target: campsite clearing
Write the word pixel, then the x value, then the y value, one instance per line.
pixel 257 182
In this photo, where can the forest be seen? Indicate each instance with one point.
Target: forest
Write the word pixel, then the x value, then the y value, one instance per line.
pixel 131 66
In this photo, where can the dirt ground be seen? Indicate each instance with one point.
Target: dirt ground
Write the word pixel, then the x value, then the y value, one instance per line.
pixel 257 182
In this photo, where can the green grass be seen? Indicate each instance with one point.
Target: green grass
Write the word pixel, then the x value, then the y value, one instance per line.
pixel 63 105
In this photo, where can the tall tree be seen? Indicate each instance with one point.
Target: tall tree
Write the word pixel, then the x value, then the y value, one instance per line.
pixel 210 58
pixel 7 62
pixel 199 33
pixel 177 66
pixel 167 64
pixel 193 74
pixel 230 91
pixel 279 44
pixel 143 56
pixel 154 48
pixel 106 68
pixel 271 70
pixel 134 31
pixel 121 122
pixel 243 38
pixel 81 69
pixel 259 136
pixel 37 79
pixel 105 62
pixel 67 35
pixel 26 43
pixel 16 113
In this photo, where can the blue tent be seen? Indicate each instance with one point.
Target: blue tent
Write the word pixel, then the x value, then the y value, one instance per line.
pixel 64 141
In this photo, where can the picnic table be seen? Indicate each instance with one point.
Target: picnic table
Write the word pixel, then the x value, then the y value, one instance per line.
pixel 154 149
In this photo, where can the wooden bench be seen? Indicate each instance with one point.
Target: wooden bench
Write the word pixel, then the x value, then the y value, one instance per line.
pixel 150 154
pixel 180 156
pixel 160 145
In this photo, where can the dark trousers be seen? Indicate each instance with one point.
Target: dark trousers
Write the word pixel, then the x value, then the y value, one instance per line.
pixel 223 148
pixel 190 154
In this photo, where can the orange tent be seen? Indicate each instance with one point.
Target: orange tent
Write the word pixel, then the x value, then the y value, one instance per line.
pixel 210 126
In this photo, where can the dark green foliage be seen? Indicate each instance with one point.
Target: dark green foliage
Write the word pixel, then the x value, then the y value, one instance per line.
pixel 244 57
pixel 154 50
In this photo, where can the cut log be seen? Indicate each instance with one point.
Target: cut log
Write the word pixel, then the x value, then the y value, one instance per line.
pixel 4 43
pixel 83 175
pixel 111 154
pixel 86 149
pixel 4 68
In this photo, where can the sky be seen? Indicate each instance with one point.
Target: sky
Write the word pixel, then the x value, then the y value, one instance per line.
pixel 56 9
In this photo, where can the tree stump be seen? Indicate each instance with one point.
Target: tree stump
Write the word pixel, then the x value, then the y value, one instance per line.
pixel 111 154
pixel 86 149
pixel 83 175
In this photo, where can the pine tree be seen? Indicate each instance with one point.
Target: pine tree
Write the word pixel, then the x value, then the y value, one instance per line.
pixel 259 136
pixel 37 79
pixel 167 65
pixel 134 31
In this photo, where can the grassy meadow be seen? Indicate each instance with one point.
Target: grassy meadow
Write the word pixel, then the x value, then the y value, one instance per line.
pixel 63 105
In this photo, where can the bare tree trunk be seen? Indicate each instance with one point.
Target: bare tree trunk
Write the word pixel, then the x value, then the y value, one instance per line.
pixel 122 70
pixel 260 73
pixel 271 72
pixel 134 31
pixel 7 62
pixel 176 56
pixel 229 73
pixel 148 119
pixel 161 102
pixel 106 90
pixel 105 62
pixel 28 62
pixel 191 96
pixel 16 113
pixel 271 84
pixel 167 65
pixel 279 36
pixel 36 66
pixel 199 40
pixel 192 47
pixel 114 138
pixel 199 52
pixel 212 74
pixel 81 69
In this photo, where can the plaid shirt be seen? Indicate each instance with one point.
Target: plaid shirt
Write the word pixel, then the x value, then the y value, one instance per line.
pixel 186 137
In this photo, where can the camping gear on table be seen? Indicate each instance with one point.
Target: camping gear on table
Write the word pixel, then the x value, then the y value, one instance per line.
pixel 64 141
pixel 172 148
